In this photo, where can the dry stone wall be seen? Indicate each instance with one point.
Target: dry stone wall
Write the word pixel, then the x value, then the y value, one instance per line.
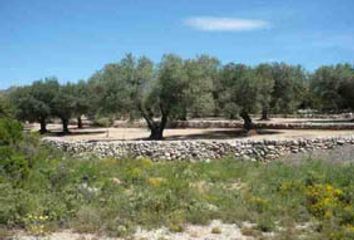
pixel 200 150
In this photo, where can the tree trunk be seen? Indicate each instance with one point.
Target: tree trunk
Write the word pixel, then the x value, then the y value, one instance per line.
pixel 43 124
pixel 79 123
pixel 248 124
pixel 65 126
pixel 156 128
pixel 265 114
pixel 156 133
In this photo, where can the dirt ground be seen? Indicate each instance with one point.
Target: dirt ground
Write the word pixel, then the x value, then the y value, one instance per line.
pixel 93 133
pixel 191 232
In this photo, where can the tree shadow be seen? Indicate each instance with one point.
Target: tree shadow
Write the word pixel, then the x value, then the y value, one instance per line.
pixel 55 133
pixel 218 134
pixel 325 121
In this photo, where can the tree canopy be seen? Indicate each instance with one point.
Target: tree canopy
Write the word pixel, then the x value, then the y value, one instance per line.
pixel 35 102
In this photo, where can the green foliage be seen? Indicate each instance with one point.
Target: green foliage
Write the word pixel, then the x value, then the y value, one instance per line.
pixel 136 88
pixel 10 132
pixel 6 110
pixel 347 86
pixel 34 102
pixel 331 85
pixel 119 86
pixel 231 110
pixel 243 90
pixel 82 99
pixel 266 84
pixel 45 99
pixel 14 166
pixel 238 86
pixel 64 104
pixel 13 163
pixel 201 72
pixel 289 87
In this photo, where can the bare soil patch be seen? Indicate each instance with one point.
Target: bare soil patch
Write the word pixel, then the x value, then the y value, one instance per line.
pixel 195 232
pixel 111 134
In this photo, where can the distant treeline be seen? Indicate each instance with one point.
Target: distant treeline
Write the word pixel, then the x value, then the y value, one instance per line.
pixel 179 88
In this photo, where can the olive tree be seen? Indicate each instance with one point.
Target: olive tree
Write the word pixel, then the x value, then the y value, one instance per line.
pixel 109 89
pixel 346 89
pixel 35 102
pixel 165 95
pixel 82 101
pixel 201 73
pixel 242 86
pixel 288 89
pixel 332 87
pixel 135 87
pixel 64 105
pixel 6 110
pixel 264 71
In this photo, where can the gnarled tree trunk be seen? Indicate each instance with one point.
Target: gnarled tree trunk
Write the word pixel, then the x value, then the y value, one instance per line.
pixel 156 128
pixel 156 133
pixel 79 122
pixel 65 123
pixel 264 114
pixel 43 124
pixel 248 124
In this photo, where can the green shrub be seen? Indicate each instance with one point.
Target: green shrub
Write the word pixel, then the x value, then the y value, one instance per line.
pixel 10 132
pixel 13 165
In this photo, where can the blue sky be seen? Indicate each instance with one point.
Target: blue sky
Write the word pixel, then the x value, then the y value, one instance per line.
pixel 73 39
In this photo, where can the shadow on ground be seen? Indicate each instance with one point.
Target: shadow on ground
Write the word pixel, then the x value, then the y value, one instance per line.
pixel 218 134
pixel 326 121
pixel 56 133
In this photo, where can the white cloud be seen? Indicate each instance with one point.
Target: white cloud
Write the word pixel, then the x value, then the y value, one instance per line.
pixel 225 24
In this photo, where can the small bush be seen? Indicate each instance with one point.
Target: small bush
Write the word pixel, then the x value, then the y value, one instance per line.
pixel 265 224
pixel 10 132
pixel 13 165
pixel 322 199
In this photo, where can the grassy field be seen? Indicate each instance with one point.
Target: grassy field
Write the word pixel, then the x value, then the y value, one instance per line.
pixel 42 191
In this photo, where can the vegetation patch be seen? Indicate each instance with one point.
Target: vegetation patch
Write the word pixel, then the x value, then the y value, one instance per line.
pixel 43 190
